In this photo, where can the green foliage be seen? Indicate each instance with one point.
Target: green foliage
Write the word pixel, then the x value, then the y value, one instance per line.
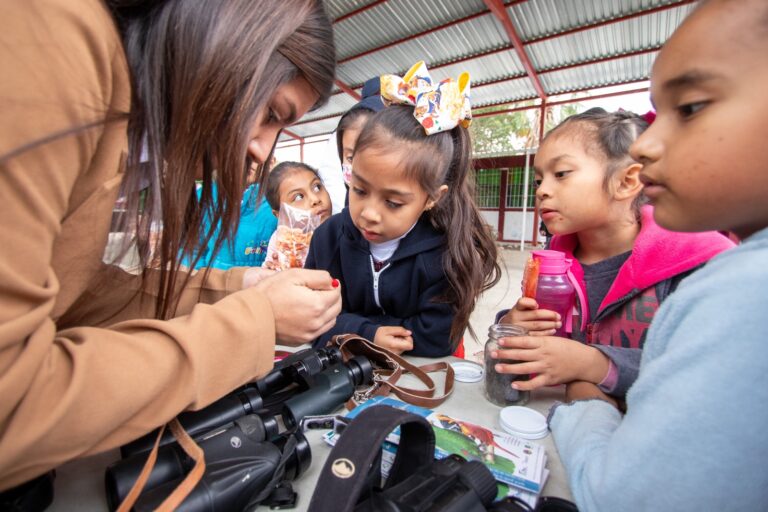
pixel 500 134
pixel 509 133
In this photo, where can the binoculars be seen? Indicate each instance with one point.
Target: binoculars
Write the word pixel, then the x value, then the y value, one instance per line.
pixel 291 376
pixel 240 435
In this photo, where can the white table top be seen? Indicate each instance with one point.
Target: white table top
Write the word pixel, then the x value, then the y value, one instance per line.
pixel 80 484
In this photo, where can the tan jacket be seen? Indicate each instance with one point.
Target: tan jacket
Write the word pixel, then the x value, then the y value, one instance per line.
pixel 80 374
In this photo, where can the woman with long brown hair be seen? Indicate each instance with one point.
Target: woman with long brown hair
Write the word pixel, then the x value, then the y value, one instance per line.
pixel 136 99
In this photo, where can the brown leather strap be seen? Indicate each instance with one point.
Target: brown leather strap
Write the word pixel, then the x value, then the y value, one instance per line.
pixel 133 494
pixel 185 487
pixel 389 367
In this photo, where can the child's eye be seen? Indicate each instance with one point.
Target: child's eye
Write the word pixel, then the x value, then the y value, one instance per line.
pixel 317 187
pixel 271 115
pixel 562 174
pixel 537 182
pixel 690 109
pixel 298 197
pixel 393 205
pixel 358 191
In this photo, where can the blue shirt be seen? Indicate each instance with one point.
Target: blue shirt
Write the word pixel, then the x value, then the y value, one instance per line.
pixel 249 247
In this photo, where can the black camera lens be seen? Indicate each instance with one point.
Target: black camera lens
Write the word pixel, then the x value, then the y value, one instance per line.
pixel 361 370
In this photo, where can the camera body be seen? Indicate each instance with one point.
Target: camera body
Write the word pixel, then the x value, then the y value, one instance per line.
pixel 448 485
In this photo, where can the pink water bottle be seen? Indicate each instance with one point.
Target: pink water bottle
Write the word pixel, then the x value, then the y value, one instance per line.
pixel 554 290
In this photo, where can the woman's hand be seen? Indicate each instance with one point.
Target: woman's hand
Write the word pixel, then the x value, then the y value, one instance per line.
pixel 254 275
pixel 539 322
pixel 305 303
pixel 393 337
pixel 554 360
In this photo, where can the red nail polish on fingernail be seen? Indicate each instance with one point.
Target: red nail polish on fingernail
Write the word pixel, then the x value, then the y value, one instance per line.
pixel 335 283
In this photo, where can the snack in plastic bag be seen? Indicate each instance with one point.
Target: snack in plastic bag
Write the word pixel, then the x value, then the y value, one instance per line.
pixel 290 243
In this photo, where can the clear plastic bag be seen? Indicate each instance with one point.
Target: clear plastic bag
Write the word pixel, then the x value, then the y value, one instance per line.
pixel 290 243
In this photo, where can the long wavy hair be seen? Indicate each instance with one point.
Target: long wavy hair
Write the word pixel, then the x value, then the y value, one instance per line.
pixel 470 260
pixel 201 72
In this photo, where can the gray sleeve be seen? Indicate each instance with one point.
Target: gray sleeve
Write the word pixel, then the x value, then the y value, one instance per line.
pixel 627 361
pixel 692 438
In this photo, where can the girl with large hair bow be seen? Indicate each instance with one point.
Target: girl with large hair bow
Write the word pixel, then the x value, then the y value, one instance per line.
pixel 411 251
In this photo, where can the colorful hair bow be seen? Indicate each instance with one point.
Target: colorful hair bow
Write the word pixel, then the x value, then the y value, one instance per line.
pixel 437 108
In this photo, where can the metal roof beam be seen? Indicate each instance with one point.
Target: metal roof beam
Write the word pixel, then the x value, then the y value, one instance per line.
pixel 499 10
pixel 291 134
pixel 357 11
pixel 347 89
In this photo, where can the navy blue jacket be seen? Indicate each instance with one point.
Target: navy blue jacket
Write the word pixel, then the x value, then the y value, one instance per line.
pixel 407 286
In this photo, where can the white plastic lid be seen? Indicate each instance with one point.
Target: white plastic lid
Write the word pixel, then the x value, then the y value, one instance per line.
pixel 467 371
pixel 523 422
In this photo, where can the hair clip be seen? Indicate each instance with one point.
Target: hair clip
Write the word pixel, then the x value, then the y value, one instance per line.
pixel 649 116
pixel 437 107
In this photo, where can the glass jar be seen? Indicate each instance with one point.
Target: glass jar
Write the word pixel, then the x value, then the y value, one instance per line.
pixel 498 386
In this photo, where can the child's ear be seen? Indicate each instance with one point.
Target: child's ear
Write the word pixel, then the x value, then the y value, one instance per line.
pixel 440 193
pixel 627 184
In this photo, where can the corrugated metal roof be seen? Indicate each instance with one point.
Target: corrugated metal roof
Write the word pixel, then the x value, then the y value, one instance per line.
pixel 571 45
pixel 618 71
pixel 397 19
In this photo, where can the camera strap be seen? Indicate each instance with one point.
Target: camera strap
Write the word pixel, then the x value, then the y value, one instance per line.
pixel 185 487
pixel 344 475
pixel 389 368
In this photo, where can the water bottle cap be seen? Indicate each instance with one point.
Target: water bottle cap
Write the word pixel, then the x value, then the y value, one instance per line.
pixel 523 422
pixel 552 262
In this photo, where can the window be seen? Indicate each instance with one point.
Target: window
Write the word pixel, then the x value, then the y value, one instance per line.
pixel 515 182
pixel 487 188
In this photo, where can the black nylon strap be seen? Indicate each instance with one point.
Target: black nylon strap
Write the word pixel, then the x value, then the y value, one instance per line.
pixel 344 473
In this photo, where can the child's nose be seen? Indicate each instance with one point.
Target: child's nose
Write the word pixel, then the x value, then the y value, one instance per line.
pixel 542 190
pixel 648 146
pixel 370 214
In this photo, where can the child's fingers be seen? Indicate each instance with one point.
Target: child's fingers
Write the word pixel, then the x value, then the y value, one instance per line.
pixel 538 381
pixel 397 344
pixel 547 332
pixel 526 303
pixel 398 330
pixel 543 314
pixel 520 342
pixel 516 354
pixel 540 325
pixel 524 368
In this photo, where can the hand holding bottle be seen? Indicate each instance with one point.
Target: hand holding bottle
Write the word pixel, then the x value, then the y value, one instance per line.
pixel 554 360
pixel 538 322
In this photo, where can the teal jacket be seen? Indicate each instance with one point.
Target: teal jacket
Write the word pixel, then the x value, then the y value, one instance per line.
pixel 249 247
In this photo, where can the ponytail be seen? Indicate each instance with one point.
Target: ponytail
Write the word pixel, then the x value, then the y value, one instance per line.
pixel 470 263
